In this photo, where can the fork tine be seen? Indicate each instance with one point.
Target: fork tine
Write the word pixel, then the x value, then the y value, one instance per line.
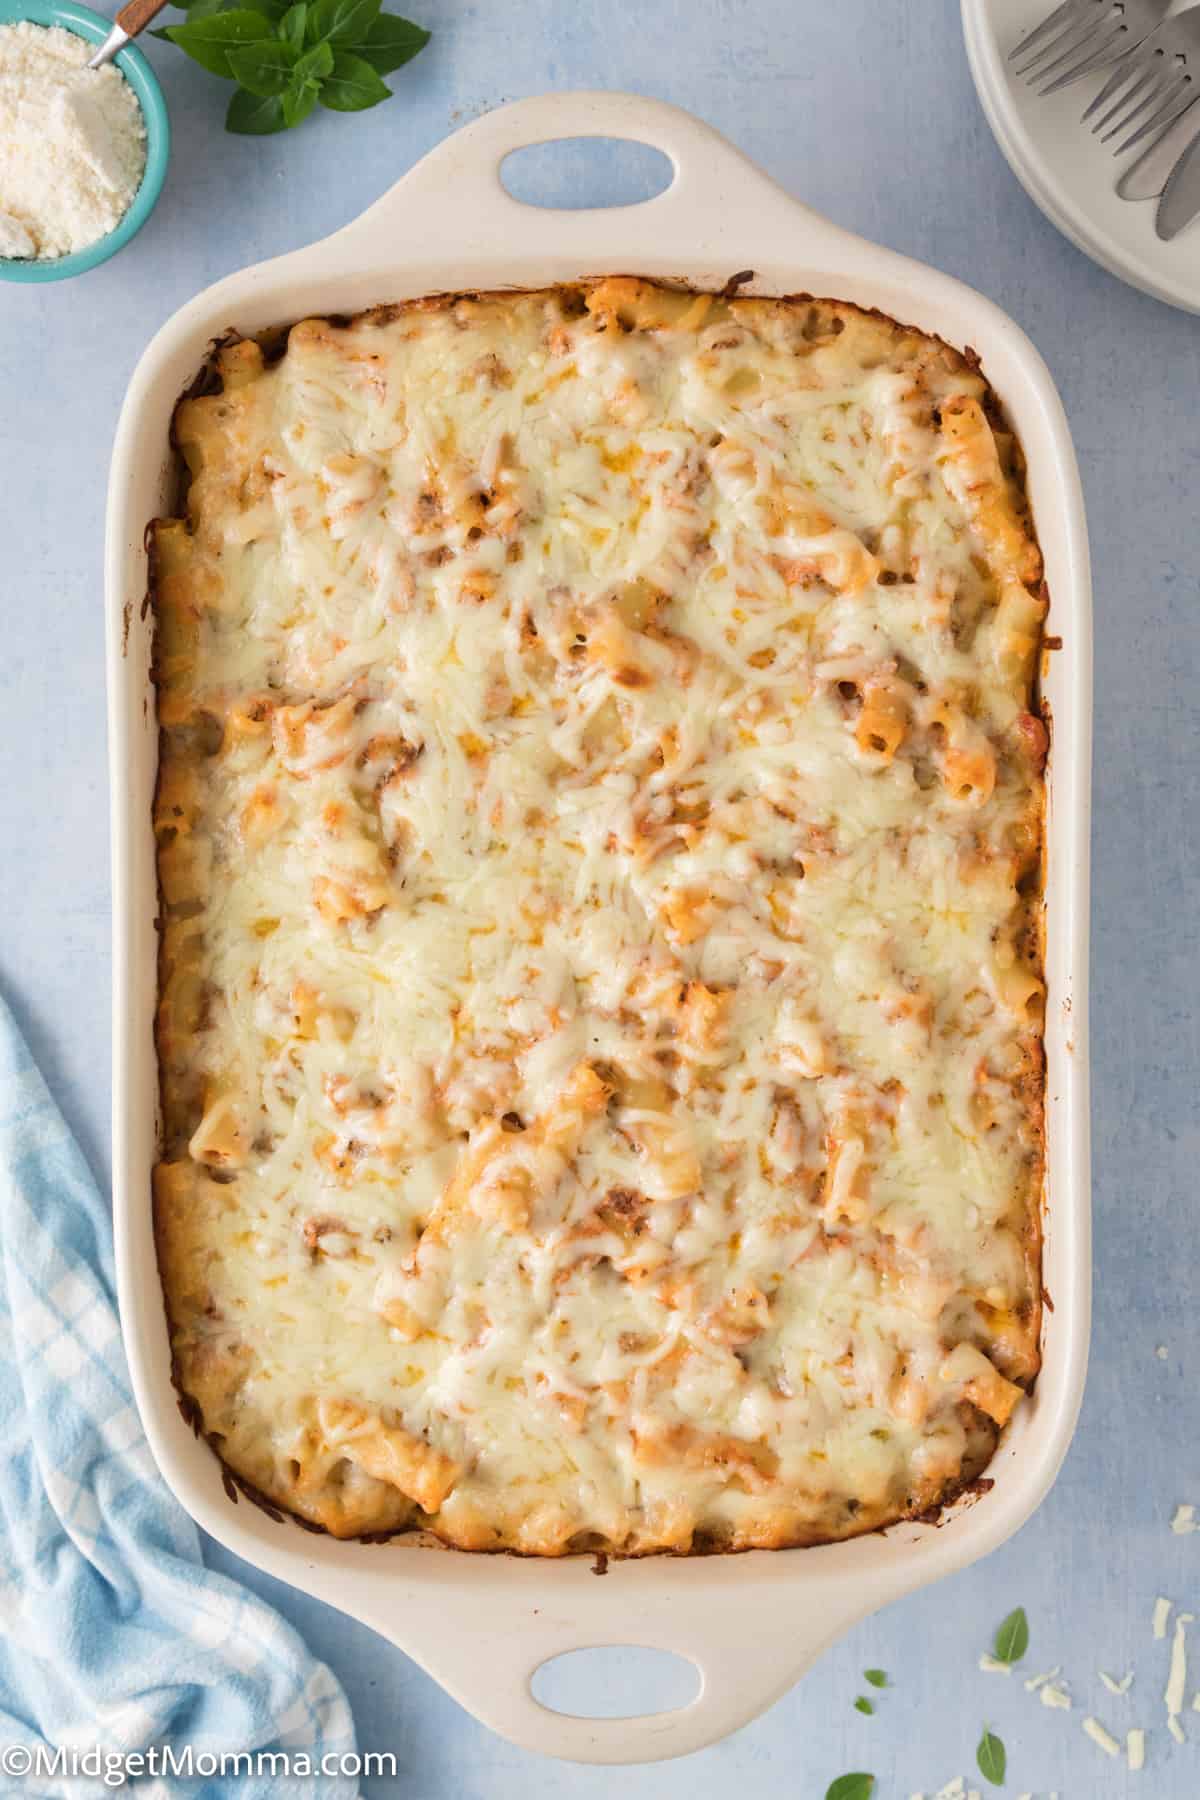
pixel 1120 75
pixel 1127 38
pixel 1154 97
pixel 1161 123
pixel 1074 33
pixel 1064 49
pixel 1177 99
pixel 1119 108
pixel 1148 173
pixel 1082 18
pixel 1150 99
pixel 1093 59
pixel 1059 16
pixel 1067 43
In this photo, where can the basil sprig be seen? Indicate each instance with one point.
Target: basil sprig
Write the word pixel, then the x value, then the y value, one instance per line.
pixel 286 55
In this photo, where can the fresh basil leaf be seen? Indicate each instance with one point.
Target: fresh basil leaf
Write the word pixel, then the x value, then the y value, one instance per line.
pixel 991 1758
pixel 204 9
pixel 209 41
pixel 263 69
pixel 863 1705
pixel 251 115
pixel 851 1787
pixel 299 101
pixel 342 22
pixel 315 64
pixel 876 1677
pixel 291 26
pixel 1012 1639
pixel 353 85
pixel 390 43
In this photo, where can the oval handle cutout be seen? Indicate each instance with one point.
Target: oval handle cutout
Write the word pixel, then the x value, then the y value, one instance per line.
pixel 581 173
pixel 615 1681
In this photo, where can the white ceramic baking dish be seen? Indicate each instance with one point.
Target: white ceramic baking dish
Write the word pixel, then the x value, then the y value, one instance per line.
pixel 481 1625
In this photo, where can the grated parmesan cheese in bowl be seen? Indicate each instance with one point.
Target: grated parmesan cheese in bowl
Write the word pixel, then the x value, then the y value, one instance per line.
pixel 72 144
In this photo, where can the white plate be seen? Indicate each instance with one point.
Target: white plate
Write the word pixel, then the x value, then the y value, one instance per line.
pixel 1064 169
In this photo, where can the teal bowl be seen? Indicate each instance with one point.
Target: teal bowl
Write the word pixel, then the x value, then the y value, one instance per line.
pixel 141 78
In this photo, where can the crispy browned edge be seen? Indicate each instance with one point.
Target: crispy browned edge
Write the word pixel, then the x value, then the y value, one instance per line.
pixel 968 1485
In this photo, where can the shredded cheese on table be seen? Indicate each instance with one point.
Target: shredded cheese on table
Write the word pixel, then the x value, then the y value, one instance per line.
pixel 1177 1678
pixel 1098 1734
pixel 599 817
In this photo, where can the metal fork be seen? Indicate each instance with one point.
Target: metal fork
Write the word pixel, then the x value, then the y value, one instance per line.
pixel 1154 85
pixel 1147 175
pixel 1084 35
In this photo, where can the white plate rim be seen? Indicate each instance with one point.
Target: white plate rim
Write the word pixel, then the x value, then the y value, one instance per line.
pixel 1029 166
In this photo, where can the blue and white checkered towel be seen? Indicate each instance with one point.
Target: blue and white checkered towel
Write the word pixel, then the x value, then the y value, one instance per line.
pixel 112 1633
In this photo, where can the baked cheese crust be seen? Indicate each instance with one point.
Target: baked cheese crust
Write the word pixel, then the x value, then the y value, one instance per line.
pixel 599 837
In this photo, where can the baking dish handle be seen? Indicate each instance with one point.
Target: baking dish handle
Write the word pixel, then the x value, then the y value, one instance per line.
pixel 749 1646
pixel 460 179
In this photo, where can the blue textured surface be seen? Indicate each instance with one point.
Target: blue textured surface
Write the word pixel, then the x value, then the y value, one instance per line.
pixel 867 112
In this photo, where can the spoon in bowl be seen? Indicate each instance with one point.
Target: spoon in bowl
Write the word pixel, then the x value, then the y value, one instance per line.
pixel 129 21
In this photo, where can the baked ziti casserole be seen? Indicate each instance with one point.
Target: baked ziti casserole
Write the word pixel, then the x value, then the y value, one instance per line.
pixel 599 839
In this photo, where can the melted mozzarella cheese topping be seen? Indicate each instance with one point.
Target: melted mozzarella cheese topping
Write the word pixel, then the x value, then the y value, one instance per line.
pixel 600 1006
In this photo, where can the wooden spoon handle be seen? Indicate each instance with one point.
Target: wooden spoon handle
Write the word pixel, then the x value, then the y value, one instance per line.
pixel 137 15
